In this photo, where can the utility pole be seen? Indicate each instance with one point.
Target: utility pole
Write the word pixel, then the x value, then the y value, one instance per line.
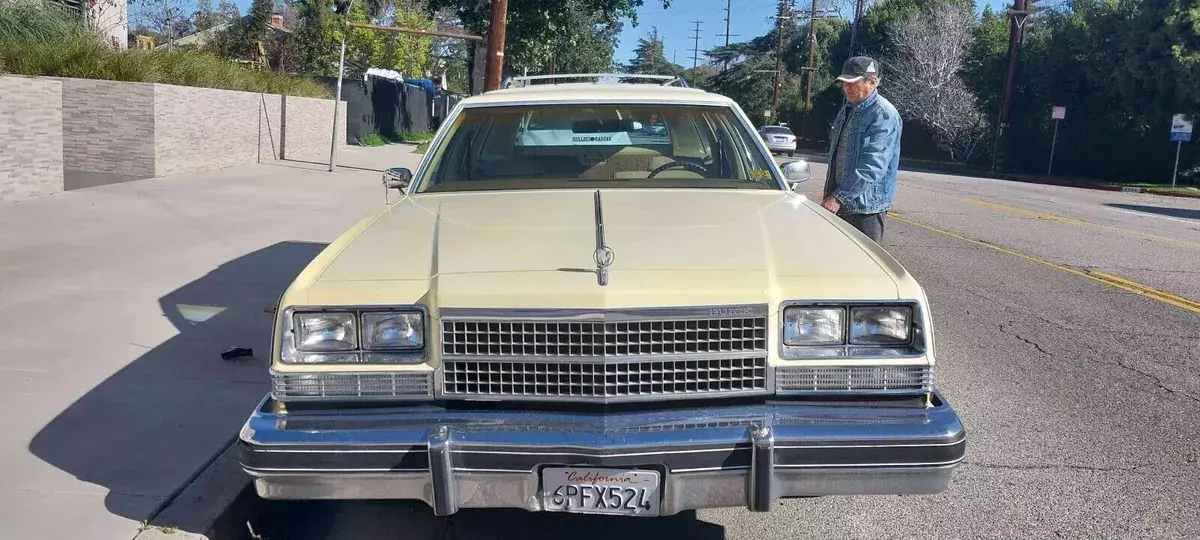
pixel 784 12
pixel 727 35
pixel 728 14
pixel 812 55
pixel 695 49
pixel 497 24
pixel 341 8
pixel 858 9
pixel 1016 34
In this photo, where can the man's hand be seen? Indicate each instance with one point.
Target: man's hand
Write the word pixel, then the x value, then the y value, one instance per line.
pixel 831 204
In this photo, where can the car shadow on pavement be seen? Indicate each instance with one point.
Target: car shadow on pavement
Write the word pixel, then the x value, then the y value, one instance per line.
pixel 146 431
pixel 1160 210
pixel 412 520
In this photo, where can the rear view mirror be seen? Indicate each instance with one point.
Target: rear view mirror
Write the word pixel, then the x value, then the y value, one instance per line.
pixel 795 172
pixel 397 178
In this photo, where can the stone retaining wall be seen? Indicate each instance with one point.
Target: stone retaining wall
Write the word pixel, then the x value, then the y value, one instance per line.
pixel 31 137
pixel 61 134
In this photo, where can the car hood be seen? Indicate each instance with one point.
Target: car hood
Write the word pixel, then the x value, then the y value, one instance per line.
pixel 539 245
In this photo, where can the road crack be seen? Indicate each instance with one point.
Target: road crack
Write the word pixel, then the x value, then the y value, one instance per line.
pixel 1005 329
pixel 1137 468
pixel 1158 382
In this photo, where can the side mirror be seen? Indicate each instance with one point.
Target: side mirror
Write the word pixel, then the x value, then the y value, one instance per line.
pixel 397 178
pixel 795 172
pixel 637 126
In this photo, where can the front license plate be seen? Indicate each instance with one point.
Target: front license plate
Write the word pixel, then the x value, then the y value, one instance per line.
pixel 619 492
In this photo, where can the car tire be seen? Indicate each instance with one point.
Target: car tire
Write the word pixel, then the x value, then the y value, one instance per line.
pixel 791 154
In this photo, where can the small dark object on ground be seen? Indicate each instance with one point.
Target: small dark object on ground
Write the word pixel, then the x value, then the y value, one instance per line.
pixel 237 352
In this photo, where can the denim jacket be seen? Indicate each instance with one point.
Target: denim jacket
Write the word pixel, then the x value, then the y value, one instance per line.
pixel 872 156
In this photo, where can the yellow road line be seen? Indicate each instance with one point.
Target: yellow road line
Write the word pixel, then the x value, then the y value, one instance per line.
pixel 1105 278
pixel 1072 221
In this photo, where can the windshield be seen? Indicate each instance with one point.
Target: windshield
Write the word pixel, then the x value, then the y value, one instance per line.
pixel 585 145
pixel 776 130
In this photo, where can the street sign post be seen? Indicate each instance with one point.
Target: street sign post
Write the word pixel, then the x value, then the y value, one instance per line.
pixel 1057 113
pixel 1181 132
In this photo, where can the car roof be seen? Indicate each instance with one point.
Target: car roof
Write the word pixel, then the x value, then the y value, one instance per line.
pixel 597 93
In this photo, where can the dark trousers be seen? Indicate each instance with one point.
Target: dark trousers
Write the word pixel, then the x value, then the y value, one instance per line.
pixel 869 224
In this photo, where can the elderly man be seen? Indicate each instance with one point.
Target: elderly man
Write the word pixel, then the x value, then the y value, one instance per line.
pixel 864 151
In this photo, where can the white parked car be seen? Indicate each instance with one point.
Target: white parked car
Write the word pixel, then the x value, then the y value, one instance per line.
pixel 778 139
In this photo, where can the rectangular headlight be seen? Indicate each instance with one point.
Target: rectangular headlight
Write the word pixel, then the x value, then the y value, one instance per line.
pixel 813 326
pixel 393 330
pixel 326 331
pixel 890 325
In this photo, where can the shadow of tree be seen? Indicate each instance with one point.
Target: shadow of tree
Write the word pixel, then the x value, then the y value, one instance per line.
pixel 1184 213
pixel 148 429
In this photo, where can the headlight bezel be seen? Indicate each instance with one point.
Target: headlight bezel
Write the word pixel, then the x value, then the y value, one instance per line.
pixel 915 346
pixel 291 352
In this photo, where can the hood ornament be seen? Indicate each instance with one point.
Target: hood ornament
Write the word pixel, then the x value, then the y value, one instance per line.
pixel 603 256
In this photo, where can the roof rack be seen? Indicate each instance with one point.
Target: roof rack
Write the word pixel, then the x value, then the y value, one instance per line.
pixel 527 80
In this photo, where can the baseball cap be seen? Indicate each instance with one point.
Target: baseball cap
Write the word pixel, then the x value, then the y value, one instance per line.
pixel 857 68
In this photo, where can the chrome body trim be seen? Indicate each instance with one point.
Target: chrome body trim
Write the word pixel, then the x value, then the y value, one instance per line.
pixel 522 81
pixel 742 455
pixel 854 380
pixel 606 315
pixel 603 256
pixel 290 386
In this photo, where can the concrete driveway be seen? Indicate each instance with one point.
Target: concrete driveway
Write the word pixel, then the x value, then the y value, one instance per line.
pixel 115 304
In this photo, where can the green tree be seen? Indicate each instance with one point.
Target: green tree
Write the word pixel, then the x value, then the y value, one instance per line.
pixel 320 34
pixel 583 42
pixel 205 17
pixel 537 27
pixel 649 58
pixel 227 12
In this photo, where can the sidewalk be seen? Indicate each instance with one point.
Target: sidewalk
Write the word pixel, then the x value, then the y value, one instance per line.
pixel 115 304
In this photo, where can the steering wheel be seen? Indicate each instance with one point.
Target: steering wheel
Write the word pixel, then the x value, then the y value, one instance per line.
pixel 674 164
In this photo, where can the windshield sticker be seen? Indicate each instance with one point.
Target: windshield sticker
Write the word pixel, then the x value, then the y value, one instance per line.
pixel 565 137
pixel 759 174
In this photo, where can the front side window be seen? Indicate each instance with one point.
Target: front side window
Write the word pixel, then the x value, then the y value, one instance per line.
pixel 588 145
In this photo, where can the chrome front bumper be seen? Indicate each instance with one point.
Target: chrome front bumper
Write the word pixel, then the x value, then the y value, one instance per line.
pixel 709 457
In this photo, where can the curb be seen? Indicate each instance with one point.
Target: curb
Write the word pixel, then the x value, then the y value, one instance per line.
pixel 1028 180
pixel 1101 187
pixel 216 505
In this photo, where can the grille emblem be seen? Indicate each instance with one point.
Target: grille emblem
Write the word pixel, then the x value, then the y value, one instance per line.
pixel 604 256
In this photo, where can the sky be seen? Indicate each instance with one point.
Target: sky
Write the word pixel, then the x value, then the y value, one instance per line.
pixel 750 18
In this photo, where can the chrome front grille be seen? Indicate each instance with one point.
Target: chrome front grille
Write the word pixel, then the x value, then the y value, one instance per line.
pixel 603 339
pixel 606 381
pixel 384 385
pixel 605 356
pixel 882 379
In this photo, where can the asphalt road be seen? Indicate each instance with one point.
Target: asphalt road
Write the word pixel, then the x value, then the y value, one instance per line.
pixel 1068 337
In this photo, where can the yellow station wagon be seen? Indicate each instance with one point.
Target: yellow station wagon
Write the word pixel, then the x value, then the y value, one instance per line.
pixel 601 297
